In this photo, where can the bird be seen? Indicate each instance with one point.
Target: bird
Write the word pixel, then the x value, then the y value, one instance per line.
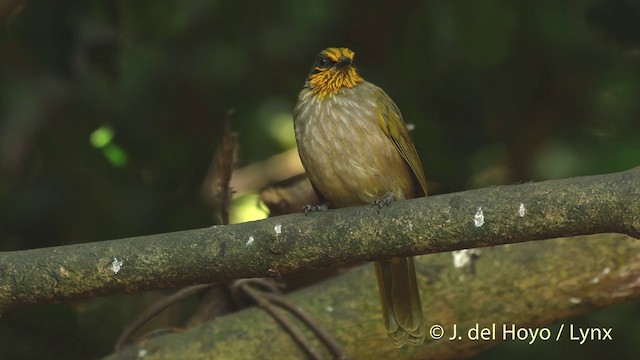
pixel 356 150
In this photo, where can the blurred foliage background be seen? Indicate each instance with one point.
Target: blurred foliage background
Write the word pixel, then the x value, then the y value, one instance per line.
pixel 110 112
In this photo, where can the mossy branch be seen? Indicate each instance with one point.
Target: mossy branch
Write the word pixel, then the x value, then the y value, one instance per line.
pixel 293 243
pixel 530 285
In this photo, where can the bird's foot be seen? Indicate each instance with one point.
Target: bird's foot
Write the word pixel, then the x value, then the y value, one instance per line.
pixel 386 200
pixel 314 208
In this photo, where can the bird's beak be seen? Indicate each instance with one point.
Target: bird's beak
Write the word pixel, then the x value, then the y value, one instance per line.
pixel 344 62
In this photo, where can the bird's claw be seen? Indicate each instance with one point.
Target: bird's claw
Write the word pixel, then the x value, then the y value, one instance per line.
pixel 314 208
pixel 386 200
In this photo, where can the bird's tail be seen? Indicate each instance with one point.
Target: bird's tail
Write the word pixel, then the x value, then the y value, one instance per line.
pixel 401 306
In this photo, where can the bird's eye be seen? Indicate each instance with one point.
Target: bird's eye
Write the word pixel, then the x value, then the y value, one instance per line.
pixel 323 61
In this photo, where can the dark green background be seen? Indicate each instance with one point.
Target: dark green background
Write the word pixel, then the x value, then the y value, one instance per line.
pixel 499 92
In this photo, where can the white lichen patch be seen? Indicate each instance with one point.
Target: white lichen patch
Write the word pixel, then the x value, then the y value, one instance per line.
pixel 278 229
pixel 116 265
pixel 250 241
pixel 464 257
pixel 606 270
pixel 574 300
pixel 142 353
pixel 410 225
pixel 64 271
pixel 329 308
pixel 461 258
pixel 521 210
pixel 478 218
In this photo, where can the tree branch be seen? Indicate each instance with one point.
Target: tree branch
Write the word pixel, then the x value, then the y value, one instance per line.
pixel 521 286
pixel 292 243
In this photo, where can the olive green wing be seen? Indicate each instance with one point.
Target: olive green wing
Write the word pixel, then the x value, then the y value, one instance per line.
pixel 391 122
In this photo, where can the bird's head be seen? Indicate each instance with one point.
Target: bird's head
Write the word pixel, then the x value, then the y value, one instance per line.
pixel 333 70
